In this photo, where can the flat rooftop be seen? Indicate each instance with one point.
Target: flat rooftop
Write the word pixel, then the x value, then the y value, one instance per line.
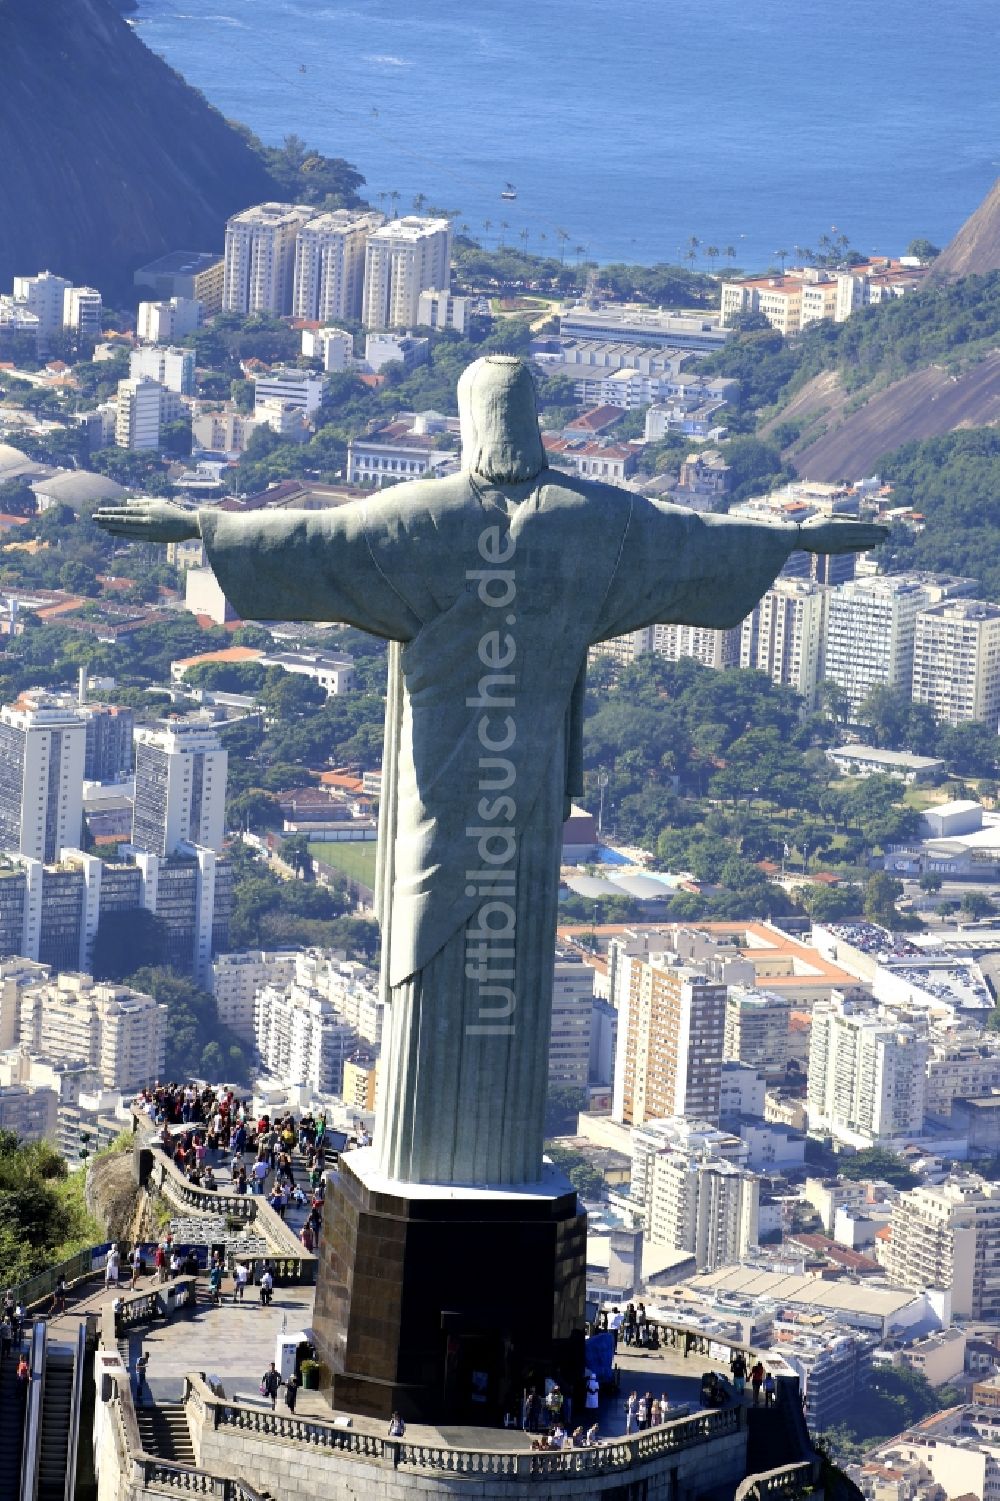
pixel 835 1296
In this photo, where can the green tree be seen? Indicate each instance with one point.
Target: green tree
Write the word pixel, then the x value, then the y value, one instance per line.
pixel 882 891
pixel 976 904
pixel 121 947
pixel 878 1163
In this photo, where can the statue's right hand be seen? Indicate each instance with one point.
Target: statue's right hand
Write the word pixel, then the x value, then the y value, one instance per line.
pixel 149 521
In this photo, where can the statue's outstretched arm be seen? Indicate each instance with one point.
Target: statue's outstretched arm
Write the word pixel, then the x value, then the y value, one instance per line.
pixel 821 535
pixel 149 521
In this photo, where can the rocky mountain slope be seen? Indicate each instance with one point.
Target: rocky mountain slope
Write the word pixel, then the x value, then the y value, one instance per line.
pixel 107 157
pixel 976 247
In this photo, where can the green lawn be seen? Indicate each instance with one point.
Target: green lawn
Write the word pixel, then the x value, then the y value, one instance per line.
pixel 356 859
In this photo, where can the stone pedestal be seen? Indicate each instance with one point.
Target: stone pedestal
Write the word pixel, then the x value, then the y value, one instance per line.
pixel 443 1303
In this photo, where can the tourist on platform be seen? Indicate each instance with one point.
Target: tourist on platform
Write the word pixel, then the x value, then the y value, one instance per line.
pixel 593 1398
pixel 632 1412
pixel 531 1411
pixel 269 1383
pixel 23 1377
pixel 111 1267
pixel 291 1392
pixel 770 1387
pixel 396 1426
pixel 241 1277
pixel 59 1295
pixel 579 1439
pixel 756 1381
pixel 140 1375
pixel 266 1287
pixel 554 1404
pixel 654 1413
pixel 135 1261
pixel 738 1366
pixel 592 1435
pixel 615 1323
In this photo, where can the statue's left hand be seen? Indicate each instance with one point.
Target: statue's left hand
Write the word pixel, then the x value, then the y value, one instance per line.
pixel 820 535
pixel 149 521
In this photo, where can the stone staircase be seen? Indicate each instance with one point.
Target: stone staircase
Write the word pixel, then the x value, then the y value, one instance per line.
pixel 164 1432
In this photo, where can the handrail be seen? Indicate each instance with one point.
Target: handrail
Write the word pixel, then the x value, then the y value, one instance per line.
pixel 75 1404
pixel 32 1438
pixel 786 1480
pixel 610 1455
pixel 252 1208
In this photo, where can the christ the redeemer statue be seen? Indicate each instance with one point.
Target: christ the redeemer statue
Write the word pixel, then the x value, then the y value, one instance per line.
pixel 490 586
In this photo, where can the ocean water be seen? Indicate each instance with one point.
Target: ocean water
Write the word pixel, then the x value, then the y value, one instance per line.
pixel 626 126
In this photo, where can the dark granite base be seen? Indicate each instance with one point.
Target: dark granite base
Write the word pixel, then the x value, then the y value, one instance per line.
pixel 444 1304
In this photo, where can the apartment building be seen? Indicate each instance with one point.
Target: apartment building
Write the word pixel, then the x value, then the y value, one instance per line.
pixel 236 979
pixel 180 788
pixel 143 406
pixel 572 1007
pixel 404 258
pixel 42 760
pixel 195 275
pixel 956 661
pixel 784 635
pixel 948 1235
pixel 302 1038
pixel 82 311
pixel 757 1030
pixel 333 346
pixel 871 624
pixel 671 1022
pixel 808 294
pixel 172 368
pixel 716 649
pixel 867 1074
pixel 171 318
pixel 693 1193
pixel 259 258
pixel 43 296
pixel 329 264
pixel 300 389
pixel 119 1032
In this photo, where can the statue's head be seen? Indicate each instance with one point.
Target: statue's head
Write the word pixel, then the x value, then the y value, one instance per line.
pixel 500 436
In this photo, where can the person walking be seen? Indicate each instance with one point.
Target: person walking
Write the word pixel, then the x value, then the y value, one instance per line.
pixel 291 1392
pixel 241 1277
pixel 136 1263
pixel 59 1296
pixel 756 1381
pixel 396 1426
pixel 266 1287
pixel 140 1375
pixel 23 1377
pixel 111 1267
pixel 738 1366
pixel 770 1388
pixel 270 1381
pixel 592 1400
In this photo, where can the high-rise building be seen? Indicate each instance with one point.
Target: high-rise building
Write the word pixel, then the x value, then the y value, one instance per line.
pixel 302 1038
pixel 109 741
pixel 869 634
pixel 692 1191
pixel 82 311
pixel 260 258
pixel 330 264
pixel 42 754
pixel 236 979
pixel 757 1030
pixel 572 1004
pixel 867 1073
pixel 956 660
pixel 171 368
pixel 159 322
pixel 718 649
pixel 948 1235
pixel 119 1032
pixel 143 407
pixel 404 258
pixel 43 296
pixel 180 789
pixel 670 1041
pixel 783 636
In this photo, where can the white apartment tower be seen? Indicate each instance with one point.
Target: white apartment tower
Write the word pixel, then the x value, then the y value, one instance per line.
pixel 948 1235
pixel 259 269
pixel 42 756
pixel 783 636
pixel 707 1208
pixel 180 789
pixel 330 264
pixel 869 634
pixel 140 413
pixel 956 660
pixel 404 258
pixel 43 295
pixel 119 1032
pixel 171 368
pixel 867 1074
pixel 717 649
pixel 572 1008
pixel 82 311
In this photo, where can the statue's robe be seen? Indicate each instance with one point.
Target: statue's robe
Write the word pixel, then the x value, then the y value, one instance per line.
pixel 464 1068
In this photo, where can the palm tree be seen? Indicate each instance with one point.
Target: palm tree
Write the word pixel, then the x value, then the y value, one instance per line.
pixel 504 226
pixel 731 252
pixel 782 257
pixel 419 199
pixel 712 255
pixel 562 235
pixel 394 199
pixel 381 200
pixel 692 251
pixel 487 226
pixel 524 239
pixel 579 251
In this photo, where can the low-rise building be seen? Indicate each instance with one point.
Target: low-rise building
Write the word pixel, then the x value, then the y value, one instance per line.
pixel 412 445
